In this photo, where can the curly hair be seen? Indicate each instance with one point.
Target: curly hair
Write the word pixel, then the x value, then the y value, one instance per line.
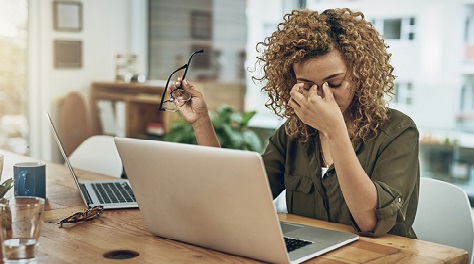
pixel 306 34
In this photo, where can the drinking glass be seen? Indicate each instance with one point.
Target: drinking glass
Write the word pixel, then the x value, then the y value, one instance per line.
pixel 20 227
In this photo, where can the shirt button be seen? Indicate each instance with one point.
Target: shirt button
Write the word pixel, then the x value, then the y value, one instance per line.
pixel 400 199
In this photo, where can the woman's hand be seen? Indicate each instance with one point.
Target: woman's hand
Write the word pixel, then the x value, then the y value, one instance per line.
pixel 195 112
pixel 317 109
pixel 195 108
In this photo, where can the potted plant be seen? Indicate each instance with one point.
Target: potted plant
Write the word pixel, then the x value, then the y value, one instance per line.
pixel 4 188
pixel 231 129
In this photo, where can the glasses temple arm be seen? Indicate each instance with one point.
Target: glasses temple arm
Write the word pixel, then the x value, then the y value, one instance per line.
pixel 189 61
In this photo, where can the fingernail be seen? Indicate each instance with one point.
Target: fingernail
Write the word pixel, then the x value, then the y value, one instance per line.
pixel 185 81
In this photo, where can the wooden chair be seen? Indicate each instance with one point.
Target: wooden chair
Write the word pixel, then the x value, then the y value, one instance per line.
pixel 74 124
pixel 96 154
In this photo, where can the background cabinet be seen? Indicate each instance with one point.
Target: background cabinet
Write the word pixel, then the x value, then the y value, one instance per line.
pixel 134 106
pixel 138 107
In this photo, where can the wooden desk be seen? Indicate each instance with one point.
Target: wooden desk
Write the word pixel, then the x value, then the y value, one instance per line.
pixel 125 230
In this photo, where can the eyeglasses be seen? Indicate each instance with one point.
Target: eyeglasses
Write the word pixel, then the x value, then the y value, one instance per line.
pixel 178 93
pixel 88 214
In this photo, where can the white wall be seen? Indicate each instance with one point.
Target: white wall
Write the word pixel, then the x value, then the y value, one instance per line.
pixel 109 27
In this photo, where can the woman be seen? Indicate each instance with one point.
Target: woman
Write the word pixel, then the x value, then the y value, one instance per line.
pixel 342 155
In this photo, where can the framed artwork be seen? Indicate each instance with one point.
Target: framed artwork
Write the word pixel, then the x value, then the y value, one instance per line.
pixel 67 16
pixel 201 25
pixel 67 54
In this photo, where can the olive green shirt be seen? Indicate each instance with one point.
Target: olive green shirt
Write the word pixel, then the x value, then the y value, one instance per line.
pixel 390 160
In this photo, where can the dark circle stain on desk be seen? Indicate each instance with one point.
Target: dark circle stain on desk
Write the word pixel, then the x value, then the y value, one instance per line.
pixel 121 254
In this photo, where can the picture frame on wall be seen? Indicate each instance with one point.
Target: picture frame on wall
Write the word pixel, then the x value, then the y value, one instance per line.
pixel 201 25
pixel 67 16
pixel 67 54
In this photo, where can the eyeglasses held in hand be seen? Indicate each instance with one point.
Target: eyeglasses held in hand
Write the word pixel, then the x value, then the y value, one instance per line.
pixel 88 214
pixel 178 94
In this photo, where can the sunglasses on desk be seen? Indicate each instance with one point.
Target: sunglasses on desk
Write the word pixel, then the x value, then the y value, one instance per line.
pixel 178 94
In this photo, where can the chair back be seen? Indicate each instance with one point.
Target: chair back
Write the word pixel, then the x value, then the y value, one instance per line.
pixel 74 122
pixel 444 215
pixel 98 154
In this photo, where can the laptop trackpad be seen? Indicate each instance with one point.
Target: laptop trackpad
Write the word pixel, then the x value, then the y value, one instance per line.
pixel 288 227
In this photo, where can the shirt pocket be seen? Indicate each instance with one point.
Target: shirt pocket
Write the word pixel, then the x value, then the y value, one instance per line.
pixel 299 195
pixel 298 183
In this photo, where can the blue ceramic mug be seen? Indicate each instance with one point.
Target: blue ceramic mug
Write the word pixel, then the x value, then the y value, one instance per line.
pixel 29 179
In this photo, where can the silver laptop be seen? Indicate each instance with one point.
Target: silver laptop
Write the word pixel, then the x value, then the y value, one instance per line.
pixel 111 194
pixel 216 198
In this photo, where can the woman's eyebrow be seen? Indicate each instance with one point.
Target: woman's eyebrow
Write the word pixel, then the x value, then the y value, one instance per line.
pixel 303 80
pixel 333 75
pixel 325 79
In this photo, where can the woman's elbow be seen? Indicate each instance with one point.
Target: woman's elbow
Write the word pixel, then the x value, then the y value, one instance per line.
pixel 368 224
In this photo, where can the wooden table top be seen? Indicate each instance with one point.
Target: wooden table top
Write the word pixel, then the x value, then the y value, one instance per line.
pixel 125 229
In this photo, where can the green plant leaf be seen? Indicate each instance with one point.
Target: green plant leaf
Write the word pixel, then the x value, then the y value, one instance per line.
pixel 246 117
pixel 252 141
pixel 181 132
pixel 5 187
pixel 231 129
pixel 236 120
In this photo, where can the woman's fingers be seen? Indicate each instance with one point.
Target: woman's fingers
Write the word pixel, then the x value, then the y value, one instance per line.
pixel 327 93
pixel 313 91
pixel 296 94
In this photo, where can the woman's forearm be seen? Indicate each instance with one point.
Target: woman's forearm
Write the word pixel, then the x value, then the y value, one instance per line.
pixel 205 133
pixel 358 189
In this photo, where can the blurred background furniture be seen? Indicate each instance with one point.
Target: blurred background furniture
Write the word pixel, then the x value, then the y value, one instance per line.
pixel 444 215
pixel 74 125
pixel 127 109
pixel 98 154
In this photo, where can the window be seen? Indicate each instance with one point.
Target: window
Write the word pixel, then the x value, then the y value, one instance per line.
pixel 469 33
pixel 13 75
pixel 218 27
pixel 465 118
pixel 403 93
pixel 469 29
pixel 178 28
pixel 396 28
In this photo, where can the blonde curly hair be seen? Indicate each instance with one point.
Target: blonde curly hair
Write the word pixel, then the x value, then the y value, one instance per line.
pixel 306 34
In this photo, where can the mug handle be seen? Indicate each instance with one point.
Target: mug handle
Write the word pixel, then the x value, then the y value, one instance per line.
pixel 22 188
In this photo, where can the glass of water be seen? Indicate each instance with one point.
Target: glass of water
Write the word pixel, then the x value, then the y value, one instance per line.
pixel 20 227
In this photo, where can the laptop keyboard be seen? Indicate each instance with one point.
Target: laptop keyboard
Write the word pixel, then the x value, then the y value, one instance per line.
pixel 113 192
pixel 293 243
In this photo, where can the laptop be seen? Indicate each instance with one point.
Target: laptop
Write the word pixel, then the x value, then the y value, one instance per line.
pixel 219 199
pixel 111 194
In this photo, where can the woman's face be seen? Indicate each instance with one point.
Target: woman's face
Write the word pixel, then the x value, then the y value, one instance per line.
pixel 329 68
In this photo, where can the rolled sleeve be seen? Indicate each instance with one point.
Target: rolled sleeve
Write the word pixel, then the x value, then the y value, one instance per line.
pixel 388 215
